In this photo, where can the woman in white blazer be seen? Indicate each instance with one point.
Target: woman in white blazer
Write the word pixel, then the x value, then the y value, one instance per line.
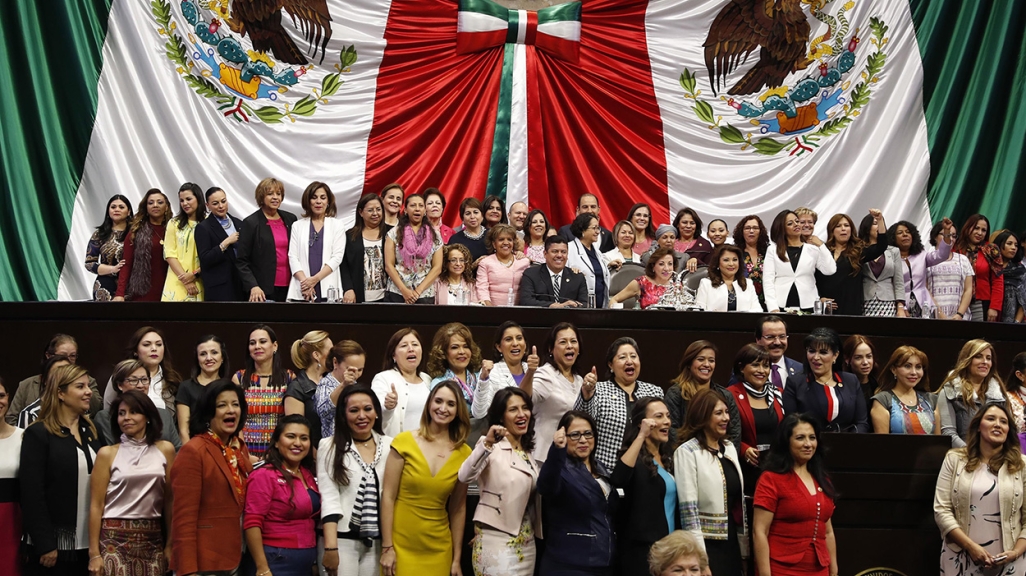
pixel 791 264
pixel 584 256
pixel 317 245
pixel 724 290
pixel 401 389
pixel 351 474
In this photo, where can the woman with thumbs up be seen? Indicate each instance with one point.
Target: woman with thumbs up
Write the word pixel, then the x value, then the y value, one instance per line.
pixel 557 383
pixel 400 387
pixel 514 366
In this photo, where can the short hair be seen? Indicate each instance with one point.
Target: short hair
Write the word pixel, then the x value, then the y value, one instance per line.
pixel 585 195
pixel 468 260
pixel 268 186
pixel 329 212
pixel 432 191
pixel 342 350
pixel 806 211
pixel 470 202
pixel 49 365
pixel 459 428
pixel 708 226
pixel 656 256
pixel 676 544
pixel 555 239
pixel 715 276
pixel 615 347
pixel 888 380
pixel 225 368
pixel 550 343
pixel 303 349
pixel 438 358
pixel 749 354
pixel 495 232
pixel 387 362
pixel 139 403
pixel 199 421
pixel 767 319
pixel 621 224
pixel 211 191
pixel 1013 382
pixel 694 216
pixel 497 413
pixel 55 342
pixel 122 370
pixel 581 223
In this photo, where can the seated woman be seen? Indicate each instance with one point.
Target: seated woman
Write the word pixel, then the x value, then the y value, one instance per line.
pixel 514 366
pixel 677 553
pixel 666 237
pixel 650 288
pixel 904 404
pixel 823 392
pixel 455 356
pixel 640 217
pixel 623 236
pixel 132 375
pixel 689 238
pixel 584 256
pixel 455 285
pixel 724 289
pixel 860 359
pixel 498 274
pixel 717 232
pixel 568 482
pixel 536 230
pixel 413 256
pixel 316 247
pixel 789 269
pixel 971 384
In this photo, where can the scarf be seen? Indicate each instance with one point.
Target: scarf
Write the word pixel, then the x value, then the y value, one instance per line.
pixel 769 392
pixel 140 279
pixel 416 245
pixel 365 518
pixel 231 456
pixel 468 387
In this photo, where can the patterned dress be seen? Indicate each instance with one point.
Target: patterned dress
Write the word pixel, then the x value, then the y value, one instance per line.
pixel 264 406
pixel 753 271
pixel 905 419
pixel 108 252
pixel 946 282
pixel 984 529
pixel 651 293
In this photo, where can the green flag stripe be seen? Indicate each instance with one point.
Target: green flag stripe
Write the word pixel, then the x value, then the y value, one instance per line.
pixel 498 168
pixel 514 24
pixel 50 59
pixel 484 7
pixel 560 13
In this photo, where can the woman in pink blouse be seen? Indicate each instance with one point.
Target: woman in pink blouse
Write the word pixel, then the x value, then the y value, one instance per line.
pixel 498 274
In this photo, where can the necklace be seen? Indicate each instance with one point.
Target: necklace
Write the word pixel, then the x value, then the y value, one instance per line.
pixel 474 236
pixel 511 261
pixel 363 442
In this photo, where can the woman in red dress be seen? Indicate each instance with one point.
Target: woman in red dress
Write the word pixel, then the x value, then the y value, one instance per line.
pixel 793 505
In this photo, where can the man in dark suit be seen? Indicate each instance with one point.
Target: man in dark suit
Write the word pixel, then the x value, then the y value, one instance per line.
pixel 215 237
pixel 538 284
pixel 588 203
pixel 771 333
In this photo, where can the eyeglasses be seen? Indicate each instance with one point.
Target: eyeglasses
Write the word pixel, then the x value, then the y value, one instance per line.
pixel 457 261
pixel 576 436
pixel 775 338
pixel 751 228
pixel 593 228
pixel 137 381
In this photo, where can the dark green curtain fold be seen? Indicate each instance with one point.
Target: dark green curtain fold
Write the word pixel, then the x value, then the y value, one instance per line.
pixel 974 62
pixel 50 58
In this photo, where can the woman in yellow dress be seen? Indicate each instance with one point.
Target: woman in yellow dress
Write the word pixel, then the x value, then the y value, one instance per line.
pixel 423 506
pixel 183 282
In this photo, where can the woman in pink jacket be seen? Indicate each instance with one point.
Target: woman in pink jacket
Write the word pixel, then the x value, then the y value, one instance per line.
pixel 498 274
pixel 283 503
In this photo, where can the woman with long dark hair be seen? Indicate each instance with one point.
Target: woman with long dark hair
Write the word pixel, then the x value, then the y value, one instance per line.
pixel 142 277
pixel 978 504
pixel 750 235
pixel 794 502
pixel 791 264
pixel 536 230
pixel 726 289
pixel 350 472
pixel 130 503
pixel 148 345
pixel 557 383
pixel 971 238
pixel 283 503
pixel 210 363
pixel 710 486
pixel 640 217
pixel 363 267
pixel 645 474
pixel 494 210
pixel 507 516
pixel 264 383
pixel 859 355
pixel 413 256
pixel 1012 299
pixel 105 248
pixel 579 500
pixel 184 283
pixel 851 249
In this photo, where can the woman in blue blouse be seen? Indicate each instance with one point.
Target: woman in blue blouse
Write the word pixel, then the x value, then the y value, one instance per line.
pixel 832 397
pixel 455 356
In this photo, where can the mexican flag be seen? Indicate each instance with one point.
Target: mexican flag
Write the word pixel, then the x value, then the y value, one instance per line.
pixel 731 107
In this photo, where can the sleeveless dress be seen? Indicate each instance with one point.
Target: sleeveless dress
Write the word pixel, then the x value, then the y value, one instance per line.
pixel 651 293
pixel 984 528
pixel 420 527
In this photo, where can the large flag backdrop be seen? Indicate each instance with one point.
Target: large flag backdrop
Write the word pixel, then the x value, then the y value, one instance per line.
pixel 615 98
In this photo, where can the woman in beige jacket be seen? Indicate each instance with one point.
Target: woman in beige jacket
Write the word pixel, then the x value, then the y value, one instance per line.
pixel 982 526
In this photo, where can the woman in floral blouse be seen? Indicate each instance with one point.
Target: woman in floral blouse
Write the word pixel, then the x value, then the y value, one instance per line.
pixel 750 234
pixel 103 253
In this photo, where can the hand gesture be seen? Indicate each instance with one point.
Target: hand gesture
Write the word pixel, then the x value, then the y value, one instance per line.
pixel 391 399
pixel 876 214
pixel 559 440
pixel 815 241
pixel 532 359
pixel 495 433
pixel 257 295
pixel 388 561
pixel 647 425
pixel 349 378
pixel 692 264
pixel 590 380
pixel 486 369
pixel 232 238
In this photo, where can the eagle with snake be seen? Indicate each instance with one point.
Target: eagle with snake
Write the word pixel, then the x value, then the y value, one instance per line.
pixel 261 19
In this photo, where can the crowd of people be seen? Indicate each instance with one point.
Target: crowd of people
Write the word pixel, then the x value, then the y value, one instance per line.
pixel 579 470
pixel 399 250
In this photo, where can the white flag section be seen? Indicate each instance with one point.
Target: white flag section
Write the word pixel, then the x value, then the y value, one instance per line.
pixel 831 118
pixel 873 155
pixel 155 130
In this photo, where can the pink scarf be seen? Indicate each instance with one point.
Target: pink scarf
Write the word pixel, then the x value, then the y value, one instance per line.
pixel 416 245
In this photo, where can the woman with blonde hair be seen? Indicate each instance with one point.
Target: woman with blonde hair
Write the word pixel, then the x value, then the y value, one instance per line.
pixel 346 360
pixel 978 504
pixel 677 553
pixel 455 356
pixel 696 372
pixel 57 455
pixel 903 403
pixel 971 384
pixel 310 355
pixel 455 285
pixel 423 506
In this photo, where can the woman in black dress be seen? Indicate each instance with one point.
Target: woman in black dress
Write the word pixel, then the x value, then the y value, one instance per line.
pixel 844 287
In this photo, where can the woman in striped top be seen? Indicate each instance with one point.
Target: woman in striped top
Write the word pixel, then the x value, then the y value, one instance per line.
pixel 264 381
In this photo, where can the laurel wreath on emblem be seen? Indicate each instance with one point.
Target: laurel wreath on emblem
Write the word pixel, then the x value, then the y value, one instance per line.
pixel 234 103
pixel 805 111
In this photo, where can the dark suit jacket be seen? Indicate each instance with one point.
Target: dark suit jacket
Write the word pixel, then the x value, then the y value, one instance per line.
pixel 221 282
pixel 803 396
pixel 606 242
pixel 207 511
pixel 640 516
pixel 536 287
pixel 351 269
pixel 256 259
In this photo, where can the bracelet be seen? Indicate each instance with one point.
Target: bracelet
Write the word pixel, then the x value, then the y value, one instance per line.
pixel 95 557
pixel 331 549
pixel 268 571
pixel 383 548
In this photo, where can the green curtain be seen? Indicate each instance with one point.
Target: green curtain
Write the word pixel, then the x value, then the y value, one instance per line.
pixel 974 60
pixel 50 58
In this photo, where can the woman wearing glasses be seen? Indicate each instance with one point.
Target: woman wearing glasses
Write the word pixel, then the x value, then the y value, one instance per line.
pixel 132 375
pixel 585 256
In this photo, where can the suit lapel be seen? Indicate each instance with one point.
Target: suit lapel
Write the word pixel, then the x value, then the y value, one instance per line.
pixel 226 470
